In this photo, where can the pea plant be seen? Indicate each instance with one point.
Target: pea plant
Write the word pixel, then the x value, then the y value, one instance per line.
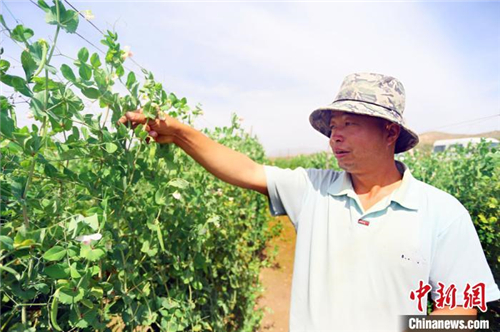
pixel 99 229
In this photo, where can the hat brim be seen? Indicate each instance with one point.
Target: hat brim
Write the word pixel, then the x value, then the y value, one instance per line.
pixel 320 120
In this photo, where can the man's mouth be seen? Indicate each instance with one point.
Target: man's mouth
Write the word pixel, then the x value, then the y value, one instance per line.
pixel 339 153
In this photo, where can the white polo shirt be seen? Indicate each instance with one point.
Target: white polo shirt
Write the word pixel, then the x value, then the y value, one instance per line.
pixel 355 269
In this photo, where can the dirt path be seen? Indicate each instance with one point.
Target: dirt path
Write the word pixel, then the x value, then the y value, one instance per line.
pixel 277 281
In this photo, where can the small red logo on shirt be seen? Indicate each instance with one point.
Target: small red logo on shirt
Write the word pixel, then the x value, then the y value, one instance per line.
pixel 363 222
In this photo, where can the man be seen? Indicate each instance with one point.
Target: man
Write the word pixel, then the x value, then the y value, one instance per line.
pixel 367 237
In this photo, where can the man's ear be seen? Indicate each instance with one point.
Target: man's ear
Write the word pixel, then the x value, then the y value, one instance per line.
pixel 393 130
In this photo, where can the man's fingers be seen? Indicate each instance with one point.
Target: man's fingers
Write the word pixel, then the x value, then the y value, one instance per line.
pixel 136 117
pixel 153 134
pixel 123 120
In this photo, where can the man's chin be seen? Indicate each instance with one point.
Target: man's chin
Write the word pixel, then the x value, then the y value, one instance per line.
pixel 345 167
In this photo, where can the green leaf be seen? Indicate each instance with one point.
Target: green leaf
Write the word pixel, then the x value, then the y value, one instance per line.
pixel 74 103
pixel 83 54
pixel 100 79
pixel 42 4
pixel 6 243
pixel 87 303
pixel 29 65
pixel 111 147
pixel 68 19
pixel 2 21
pixel 5 105
pixel 90 254
pixel 51 69
pixel 21 33
pixel 11 271
pixel 178 183
pixel 41 84
pixel 91 93
pixel 96 292
pixel 36 105
pixel 20 243
pixel 120 71
pixel 160 197
pixel 18 83
pixel 85 71
pixel 68 73
pixel 55 253
pixel 73 251
pixel 95 61
pixel 4 65
pixel 57 271
pixel 74 271
pixel 70 295
pixel 6 124
pixel 147 249
pixel 36 51
pixel 92 221
pixel 130 80
pixel 41 287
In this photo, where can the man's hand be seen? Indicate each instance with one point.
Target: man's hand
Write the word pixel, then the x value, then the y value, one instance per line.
pixel 162 131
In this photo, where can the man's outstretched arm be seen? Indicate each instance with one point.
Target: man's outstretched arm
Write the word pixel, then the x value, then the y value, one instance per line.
pixel 226 164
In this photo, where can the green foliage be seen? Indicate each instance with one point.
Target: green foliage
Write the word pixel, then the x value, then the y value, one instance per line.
pixel 322 160
pixel 100 225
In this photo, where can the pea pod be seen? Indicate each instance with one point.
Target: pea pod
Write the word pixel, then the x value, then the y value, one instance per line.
pixel 45 49
pixel 53 311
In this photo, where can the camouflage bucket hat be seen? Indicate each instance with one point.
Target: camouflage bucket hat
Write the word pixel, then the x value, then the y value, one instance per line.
pixel 369 94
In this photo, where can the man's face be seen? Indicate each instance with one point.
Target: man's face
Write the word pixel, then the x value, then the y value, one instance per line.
pixel 359 142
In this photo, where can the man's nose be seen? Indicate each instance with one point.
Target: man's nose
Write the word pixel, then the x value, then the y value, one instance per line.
pixel 336 136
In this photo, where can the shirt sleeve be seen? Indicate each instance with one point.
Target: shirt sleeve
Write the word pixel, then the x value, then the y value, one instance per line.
pixel 460 260
pixel 287 189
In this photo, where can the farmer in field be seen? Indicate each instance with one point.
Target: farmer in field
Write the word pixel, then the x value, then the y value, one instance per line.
pixel 372 241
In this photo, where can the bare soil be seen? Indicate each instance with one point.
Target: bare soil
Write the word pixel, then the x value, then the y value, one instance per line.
pixel 277 280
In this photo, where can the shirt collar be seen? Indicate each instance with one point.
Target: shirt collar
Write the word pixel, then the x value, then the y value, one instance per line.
pixel 405 195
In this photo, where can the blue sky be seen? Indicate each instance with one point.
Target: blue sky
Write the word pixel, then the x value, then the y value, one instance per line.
pixel 274 63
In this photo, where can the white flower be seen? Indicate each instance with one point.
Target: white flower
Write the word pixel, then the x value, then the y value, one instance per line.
pixel 88 14
pixel 126 52
pixel 231 199
pixel 219 192
pixel 86 239
pixel 177 195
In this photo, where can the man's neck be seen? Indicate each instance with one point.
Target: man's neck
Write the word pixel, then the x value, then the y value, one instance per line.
pixel 383 176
